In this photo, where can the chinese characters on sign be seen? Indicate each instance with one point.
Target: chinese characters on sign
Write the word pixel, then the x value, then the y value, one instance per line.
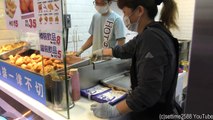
pixel 19 79
pixel 4 72
pixel 37 16
pixel 50 19
pixel 51 44
pixel 27 82
pixel 39 89
pixel 20 15
pixel 33 15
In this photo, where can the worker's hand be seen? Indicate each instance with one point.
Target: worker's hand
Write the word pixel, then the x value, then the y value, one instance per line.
pixel 98 53
pixel 78 53
pixel 104 110
pixel 71 59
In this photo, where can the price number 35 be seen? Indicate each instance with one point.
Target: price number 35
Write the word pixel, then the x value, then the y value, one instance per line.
pixel 31 23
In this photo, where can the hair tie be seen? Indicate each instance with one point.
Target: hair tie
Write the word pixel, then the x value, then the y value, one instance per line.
pixel 158 2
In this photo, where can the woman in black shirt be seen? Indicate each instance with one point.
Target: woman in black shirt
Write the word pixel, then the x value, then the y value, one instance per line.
pixel 154 53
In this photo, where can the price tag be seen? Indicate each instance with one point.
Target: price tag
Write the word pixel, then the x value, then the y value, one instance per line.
pixel 14 23
pixel 58 40
pixel 30 23
pixel 51 44
pixel 12 14
pixel 28 16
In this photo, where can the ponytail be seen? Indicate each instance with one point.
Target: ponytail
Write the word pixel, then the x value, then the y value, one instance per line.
pixel 169 14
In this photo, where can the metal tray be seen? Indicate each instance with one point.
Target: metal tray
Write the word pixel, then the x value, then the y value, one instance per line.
pixel 5 55
pixel 59 71
pixel 120 81
pixel 82 63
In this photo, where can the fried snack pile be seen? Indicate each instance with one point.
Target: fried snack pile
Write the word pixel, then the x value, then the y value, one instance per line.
pixel 34 63
pixel 9 47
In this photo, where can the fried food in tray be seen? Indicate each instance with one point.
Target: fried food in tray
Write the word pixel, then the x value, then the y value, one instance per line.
pixel 34 63
pixel 31 60
pixel 12 49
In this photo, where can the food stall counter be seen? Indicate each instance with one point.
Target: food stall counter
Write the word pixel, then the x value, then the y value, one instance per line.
pixel 81 110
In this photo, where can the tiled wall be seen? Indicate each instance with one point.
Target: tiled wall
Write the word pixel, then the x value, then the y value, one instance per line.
pixel 81 13
pixel 81 16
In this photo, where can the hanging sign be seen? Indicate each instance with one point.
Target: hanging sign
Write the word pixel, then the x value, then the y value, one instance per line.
pixel 28 15
pixel 12 14
pixel 20 15
pixel 49 14
pixel 51 44
pixel 50 28
pixel 25 81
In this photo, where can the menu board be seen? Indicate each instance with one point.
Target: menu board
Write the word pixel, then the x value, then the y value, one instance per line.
pixel 33 15
pixel 38 16
pixel 50 19
pixel 51 44
pixel 20 15
pixel 49 14
pixel 12 14
pixel 28 15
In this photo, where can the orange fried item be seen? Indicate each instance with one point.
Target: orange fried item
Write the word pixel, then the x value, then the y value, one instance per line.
pixel 48 62
pixel 34 63
pixel 24 66
pixel 57 61
pixel 26 59
pixel 19 61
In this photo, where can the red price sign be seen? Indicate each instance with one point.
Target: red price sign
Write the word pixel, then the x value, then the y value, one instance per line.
pixel 14 23
pixel 59 54
pixel 58 40
pixel 31 23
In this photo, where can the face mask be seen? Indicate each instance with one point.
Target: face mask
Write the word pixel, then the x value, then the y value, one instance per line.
pixel 102 9
pixel 131 26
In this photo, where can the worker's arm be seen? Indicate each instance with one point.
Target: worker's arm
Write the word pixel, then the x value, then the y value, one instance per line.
pixel 121 41
pixel 86 45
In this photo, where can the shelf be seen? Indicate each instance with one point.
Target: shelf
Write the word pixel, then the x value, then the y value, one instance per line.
pixel 30 103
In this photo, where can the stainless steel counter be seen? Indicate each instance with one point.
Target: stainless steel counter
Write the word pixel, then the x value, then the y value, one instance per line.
pixel 91 75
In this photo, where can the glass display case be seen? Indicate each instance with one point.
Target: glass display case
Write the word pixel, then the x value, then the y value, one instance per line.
pixel 34 62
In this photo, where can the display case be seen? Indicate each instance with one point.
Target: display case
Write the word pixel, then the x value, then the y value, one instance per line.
pixel 35 62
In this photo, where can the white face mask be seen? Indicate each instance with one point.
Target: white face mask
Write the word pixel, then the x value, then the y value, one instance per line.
pixel 131 26
pixel 102 9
